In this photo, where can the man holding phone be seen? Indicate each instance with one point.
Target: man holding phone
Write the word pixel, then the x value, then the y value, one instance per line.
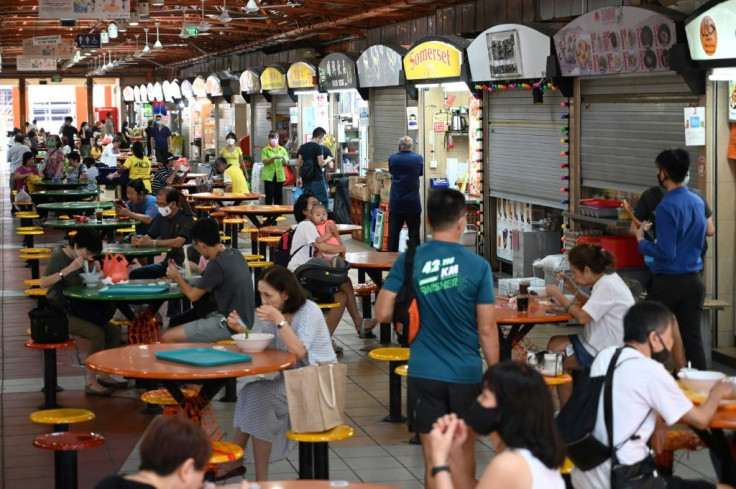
pixel 274 157
pixel 311 153
pixel 140 206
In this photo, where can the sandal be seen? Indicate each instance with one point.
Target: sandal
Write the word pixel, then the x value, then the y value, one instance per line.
pixel 364 332
pixel 236 472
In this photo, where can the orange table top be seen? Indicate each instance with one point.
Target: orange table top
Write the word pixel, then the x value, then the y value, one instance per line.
pixel 255 209
pixel 226 196
pixel 139 361
pixel 506 313
pixel 372 259
pixel 282 228
pixel 725 417
pixel 309 484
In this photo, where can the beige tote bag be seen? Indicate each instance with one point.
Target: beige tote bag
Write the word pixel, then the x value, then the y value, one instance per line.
pixel 316 396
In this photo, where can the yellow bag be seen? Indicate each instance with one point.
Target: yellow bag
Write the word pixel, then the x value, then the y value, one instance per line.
pixel 31 181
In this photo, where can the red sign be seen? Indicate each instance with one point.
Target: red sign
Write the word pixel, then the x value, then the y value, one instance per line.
pixel 439 127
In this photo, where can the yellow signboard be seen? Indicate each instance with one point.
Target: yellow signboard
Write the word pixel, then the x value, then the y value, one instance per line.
pixel 432 60
pixel 301 75
pixel 272 79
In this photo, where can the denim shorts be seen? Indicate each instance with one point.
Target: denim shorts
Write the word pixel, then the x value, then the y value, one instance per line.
pixel 585 359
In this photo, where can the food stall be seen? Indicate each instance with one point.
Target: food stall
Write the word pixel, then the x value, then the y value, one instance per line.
pixel 259 105
pixel 202 114
pixel 221 88
pixel 276 91
pixel 129 101
pixel 312 108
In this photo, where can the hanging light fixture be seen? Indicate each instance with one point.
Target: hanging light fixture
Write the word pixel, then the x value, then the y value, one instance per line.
pixel 143 11
pixel 251 7
pixel 112 30
pixel 110 64
pixel 157 44
pixel 104 37
pixel 122 25
pixel 146 48
pixel 137 52
pixel 157 3
pixel 203 25
pixel 224 16
pixel 133 20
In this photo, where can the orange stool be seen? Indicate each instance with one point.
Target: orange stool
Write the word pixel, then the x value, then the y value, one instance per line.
pixel 676 440
pixel 223 452
pixel 65 446
pixel 365 291
pixel 49 370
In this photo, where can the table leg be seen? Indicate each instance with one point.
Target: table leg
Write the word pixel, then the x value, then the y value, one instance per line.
pixel 49 379
pixel 516 332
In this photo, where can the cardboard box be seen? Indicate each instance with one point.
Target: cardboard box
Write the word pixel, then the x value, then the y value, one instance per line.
pixel 376 186
pixel 363 192
pixel 375 165
pixel 353 181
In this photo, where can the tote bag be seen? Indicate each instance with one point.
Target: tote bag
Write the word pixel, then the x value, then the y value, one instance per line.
pixel 316 397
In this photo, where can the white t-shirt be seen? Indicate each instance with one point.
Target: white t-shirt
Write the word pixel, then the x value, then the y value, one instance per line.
pixel 609 300
pixel 640 386
pixel 542 476
pixel 108 157
pixel 304 236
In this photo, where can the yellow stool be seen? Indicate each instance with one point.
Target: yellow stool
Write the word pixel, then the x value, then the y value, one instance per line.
pixel 395 357
pixel 252 258
pixel 33 260
pixel 558 380
pixel 61 418
pixel 314 450
pixel 28 332
pixel 23 204
pixel 37 292
pixel 402 370
pixel 28 251
pixel 64 217
pixel 108 213
pixel 32 282
pixel 29 228
pixel 326 306
pixel 162 397
pixel 250 229
pixel 120 322
pixel 125 230
pixel 224 452
pixel 28 232
pixel 268 242
pixel 280 219
pixel 256 267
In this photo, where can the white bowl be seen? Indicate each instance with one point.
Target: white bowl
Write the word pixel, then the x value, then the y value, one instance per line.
pixel 254 343
pixel 91 279
pixel 700 381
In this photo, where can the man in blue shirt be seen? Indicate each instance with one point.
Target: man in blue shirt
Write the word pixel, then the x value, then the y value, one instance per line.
pixel 404 205
pixel 454 290
pixel 681 227
pixel 160 139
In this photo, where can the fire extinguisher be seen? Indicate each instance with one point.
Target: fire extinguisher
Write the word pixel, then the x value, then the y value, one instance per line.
pixel 449 143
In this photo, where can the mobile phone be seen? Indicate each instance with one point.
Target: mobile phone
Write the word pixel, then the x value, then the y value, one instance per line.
pixel 120 203
pixel 569 350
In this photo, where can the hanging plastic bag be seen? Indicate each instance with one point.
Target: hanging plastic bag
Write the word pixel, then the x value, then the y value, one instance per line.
pixel 115 267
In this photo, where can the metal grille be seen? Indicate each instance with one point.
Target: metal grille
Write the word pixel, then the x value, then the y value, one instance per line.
pixel 388 107
pixel 261 125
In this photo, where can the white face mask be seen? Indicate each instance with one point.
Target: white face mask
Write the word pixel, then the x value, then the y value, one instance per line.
pixel 231 142
pixel 274 142
pixel 164 211
pixel 687 179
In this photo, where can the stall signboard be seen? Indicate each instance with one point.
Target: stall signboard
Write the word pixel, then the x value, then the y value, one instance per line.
pixel 301 75
pixel 88 41
pixel 380 66
pixel 137 93
pixel 175 90
pixel 166 86
pixel 616 40
pixel 144 93
pixel 158 92
pixel 150 92
pixel 83 9
pixel 62 50
pixel 433 60
pixel 187 90
pixel 250 82
pixel 509 51
pixel 712 34
pixel 213 86
pixel 26 63
pixel 128 94
pixel 199 87
pixel 273 78
pixel 337 71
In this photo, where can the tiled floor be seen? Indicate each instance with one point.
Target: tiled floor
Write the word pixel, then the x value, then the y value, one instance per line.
pixel 379 452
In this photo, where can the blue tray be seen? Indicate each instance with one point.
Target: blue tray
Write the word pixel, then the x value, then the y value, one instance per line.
pixel 127 289
pixel 203 357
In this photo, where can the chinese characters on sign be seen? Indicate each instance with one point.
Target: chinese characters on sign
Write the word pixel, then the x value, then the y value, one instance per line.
pixel 504 54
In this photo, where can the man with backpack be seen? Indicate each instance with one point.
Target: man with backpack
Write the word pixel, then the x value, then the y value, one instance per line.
pixel 309 165
pixel 454 294
pixel 645 399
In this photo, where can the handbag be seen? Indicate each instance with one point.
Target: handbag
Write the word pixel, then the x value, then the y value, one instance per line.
pixel 316 396
pixel 115 267
pixel 49 323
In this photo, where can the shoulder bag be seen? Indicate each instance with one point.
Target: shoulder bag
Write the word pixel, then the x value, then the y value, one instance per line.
pixel 306 171
pixel 49 323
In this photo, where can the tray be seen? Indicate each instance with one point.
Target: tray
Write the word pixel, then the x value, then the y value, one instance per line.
pixel 203 357
pixel 127 289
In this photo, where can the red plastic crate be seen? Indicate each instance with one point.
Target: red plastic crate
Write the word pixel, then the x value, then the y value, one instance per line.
pixel 625 249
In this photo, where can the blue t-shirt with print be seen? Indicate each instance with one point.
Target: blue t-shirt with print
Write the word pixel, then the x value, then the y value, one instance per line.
pixel 449 282
pixel 147 207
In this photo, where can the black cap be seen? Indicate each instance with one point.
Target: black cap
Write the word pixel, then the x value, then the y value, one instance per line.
pixel 170 157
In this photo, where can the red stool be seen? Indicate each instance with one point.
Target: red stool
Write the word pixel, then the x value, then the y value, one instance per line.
pixel 65 445
pixel 49 370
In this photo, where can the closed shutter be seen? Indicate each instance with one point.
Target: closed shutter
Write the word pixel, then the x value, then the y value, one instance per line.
pixel 388 110
pixel 625 123
pixel 524 147
pixel 261 125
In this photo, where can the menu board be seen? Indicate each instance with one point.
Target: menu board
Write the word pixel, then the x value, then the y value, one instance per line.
pixel 337 72
pixel 615 40
pixel 380 66
pixel 83 9
pixel 712 34
pixel 199 87
pixel 301 75
pixel 213 86
pixel 250 82
pixel 25 63
pixel 187 90
pixel 62 50
pixel 273 78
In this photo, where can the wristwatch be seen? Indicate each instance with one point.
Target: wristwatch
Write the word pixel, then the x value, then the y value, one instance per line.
pixel 61 274
pixel 440 468
pixel 281 324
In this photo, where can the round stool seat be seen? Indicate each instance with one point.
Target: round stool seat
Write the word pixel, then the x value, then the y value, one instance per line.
pixel 250 258
pixel 37 292
pixel 280 219
pixel 64 218
pixel 120 322
pixel 108 213
pixel 162 397
pixel 393 354
pixel 49 346
pixel 249 230
pixel 29 228
pixel 125 230
pixel 328 305
pixel 259 264
pixel 60 416
pixel 27 215
pixel 23 204
pixel 30 251
pixel 365 289
pixel 233 220
pixel 402 370
pixel 32 282
pixel 68 440
pixel 558 380
pixel 682 440
pixel 269 239
pixel 33 232
pixel 223 452
pixel 342 432
pixel 217 214
pixel 34 256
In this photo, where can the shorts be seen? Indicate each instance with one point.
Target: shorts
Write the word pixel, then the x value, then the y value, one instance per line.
pixel 432 399
pixel 207 330
pixel 679 483
pixel 585 359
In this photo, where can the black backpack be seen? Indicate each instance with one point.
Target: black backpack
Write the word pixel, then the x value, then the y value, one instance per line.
pixel 320 276
pixel 282 253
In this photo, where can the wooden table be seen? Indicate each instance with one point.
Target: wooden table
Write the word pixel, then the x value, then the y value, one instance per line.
pixel 269 212
pixel 50 184
pixel 63 195
pixel 72 207
pixel 279 229
pixel 129 251
pixel 309 484
pixel 236 198
pixel 109 225
pixel 373 263
pixel 516 325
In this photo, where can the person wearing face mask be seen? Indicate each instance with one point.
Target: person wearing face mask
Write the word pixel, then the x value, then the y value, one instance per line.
pixel 160 138
pixel 54 158
pixel 274 157
pixel 454 291
pixel 232 152
pixel 646 399
pixel 311 153
pixel 677 254
pixel 515 410
pixel 84 139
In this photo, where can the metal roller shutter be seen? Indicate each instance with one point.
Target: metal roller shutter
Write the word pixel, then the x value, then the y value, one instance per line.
pixel 625 123
pixel 388 109
pixel 261 125
pixel 523 147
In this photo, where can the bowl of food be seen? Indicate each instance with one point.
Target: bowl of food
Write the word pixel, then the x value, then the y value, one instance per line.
pixel 252 342
pixel 700 381
pixel 91 279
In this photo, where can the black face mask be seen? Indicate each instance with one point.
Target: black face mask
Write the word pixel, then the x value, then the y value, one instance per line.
pixel 483 420
pixel 660 181
pixel 662 355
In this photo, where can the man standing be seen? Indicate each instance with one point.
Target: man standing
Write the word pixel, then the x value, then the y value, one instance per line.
pixel 15 161
pixel 109 125
pixel 404 205
pixel 68 131
pixel 160 139
pixel 310 154
pixel 454 290
pixel 681 226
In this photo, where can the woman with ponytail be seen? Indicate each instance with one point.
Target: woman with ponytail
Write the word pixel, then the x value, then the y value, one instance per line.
pixel 601 312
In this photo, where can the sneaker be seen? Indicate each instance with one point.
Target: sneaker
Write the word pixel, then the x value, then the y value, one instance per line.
pixel 336 348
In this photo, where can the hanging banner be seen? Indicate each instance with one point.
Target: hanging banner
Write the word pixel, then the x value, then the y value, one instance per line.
pixel 380 66
pixel 712 34
pixel 615 40
pixel 337 71
pixel 694 126
pixel 213 86
pixel 250 82
pixel 63 50
pixel 25 63
pixel 321 110
pixel 175 91
pixel 137 93
pixel 187 90
pixel 128 94
pixel 301 75
pixel 83 9
pixel 273 79
pixel 144 94
pixel 199 87
pixel 158 92
pixel 433 60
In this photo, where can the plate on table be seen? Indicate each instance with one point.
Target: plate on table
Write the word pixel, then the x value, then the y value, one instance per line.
pixel 203 357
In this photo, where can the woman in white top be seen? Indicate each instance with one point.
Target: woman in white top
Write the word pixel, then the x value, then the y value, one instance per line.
pixel 303 244
pixel 602 312
pixel 111 152
pixel 515 409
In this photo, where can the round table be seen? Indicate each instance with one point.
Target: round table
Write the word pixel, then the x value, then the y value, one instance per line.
pixel 50 184
pixel 129 251
pixel 64 195
pixel 236 198
pixel 254 211
pixel 74 206
pixel 517 325
pixel 110 225
pixel 279 229
pixel 308 484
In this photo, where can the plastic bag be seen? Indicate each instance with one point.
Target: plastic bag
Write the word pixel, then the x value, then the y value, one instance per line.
pixel 23 196
pixel 115 267
pixel 553 263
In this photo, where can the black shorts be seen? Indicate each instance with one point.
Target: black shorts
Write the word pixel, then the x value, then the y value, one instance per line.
pixel 678 483
pixel 432 399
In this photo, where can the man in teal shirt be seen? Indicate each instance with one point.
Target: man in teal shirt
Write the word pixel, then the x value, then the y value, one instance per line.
pixel 454 290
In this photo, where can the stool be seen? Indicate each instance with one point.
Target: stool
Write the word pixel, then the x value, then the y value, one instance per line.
pixel 403 370
pixel 231 229
pixel 558 380
pixel 61 418
pixel 280 219
pixel 30 251
pixel 32 282
pixel 35 292
pixel 268 242
pixel 565 471
pixel 326 306
pixel 28 233
pixel 249 258
pixel 33 261
pixel 203 210
pixel 23 204
pixel 365 291
pixel 49 369
pixel 254 231
pixel 256 267
pixel 125 230
pixel 676 440
pixel 26 217
pixel 222 452
pixel 395 357
pixel 162 397
pixel 65 446
pixel 120 322
pixel 64 217
pixel 314 458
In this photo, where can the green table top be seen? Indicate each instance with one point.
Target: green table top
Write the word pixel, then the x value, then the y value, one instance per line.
pixel 74 206
pixel 67 193
pixel 93 293
pixel 130 251
pixel 62 184
pixel 92 223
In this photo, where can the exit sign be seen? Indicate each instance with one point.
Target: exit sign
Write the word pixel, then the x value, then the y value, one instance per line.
pixel 192 31
pixel 56 78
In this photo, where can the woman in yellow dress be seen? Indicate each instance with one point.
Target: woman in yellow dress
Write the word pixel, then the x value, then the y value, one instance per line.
pixel 232 153
pixel 137 165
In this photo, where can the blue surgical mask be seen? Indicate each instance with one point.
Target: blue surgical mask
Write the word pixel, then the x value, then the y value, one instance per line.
pixel 159 122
